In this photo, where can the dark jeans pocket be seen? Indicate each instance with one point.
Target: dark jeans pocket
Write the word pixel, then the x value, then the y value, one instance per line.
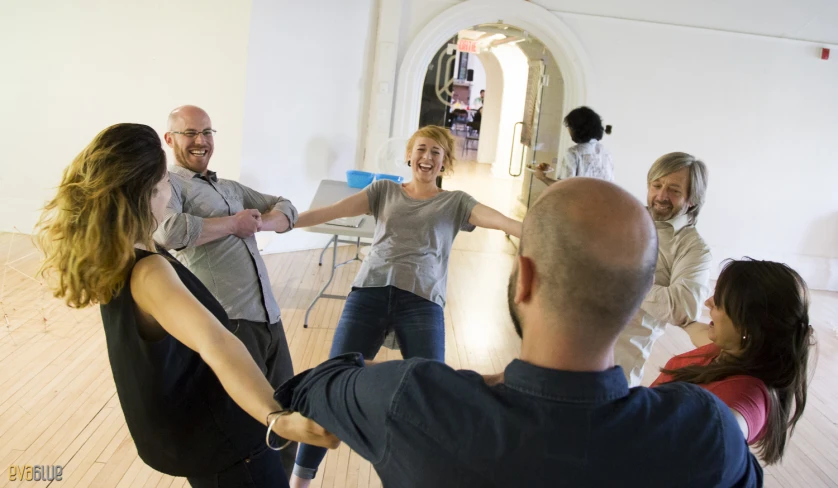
pixel 262 469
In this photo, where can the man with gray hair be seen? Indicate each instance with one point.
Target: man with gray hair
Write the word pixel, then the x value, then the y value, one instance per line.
pixel 677 183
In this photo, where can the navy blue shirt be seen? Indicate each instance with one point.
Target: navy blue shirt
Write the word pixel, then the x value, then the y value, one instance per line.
pixel 421 423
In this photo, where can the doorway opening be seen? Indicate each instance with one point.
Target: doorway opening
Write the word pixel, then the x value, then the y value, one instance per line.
pixel 501 92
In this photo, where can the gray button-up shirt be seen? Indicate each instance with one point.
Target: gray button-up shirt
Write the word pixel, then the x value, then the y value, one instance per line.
pixel 230 267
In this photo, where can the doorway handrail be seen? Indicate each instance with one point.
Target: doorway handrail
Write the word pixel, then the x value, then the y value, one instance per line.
pixel 512 153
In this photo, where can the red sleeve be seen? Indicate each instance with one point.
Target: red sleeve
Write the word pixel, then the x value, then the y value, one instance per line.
pixel 749 397
pixel 700 356
pixel 663 377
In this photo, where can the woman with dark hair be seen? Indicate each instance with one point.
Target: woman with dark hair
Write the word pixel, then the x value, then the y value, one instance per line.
pixel 754 354
pixel 195 402
pixel 588 157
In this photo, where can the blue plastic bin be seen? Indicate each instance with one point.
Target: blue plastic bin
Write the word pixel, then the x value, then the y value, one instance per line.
pixel 382 176
pixel 359 179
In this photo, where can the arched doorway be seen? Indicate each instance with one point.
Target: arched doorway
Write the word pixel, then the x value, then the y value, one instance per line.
pixel 556 36
pixel 531 20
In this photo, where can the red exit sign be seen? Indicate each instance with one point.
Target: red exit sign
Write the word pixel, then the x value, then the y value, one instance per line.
pixel 467 46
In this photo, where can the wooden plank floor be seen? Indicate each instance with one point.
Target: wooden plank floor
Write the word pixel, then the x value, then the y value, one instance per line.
pixel 58 403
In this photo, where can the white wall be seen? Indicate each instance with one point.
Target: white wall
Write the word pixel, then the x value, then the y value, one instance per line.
pixel 70 69
pixel 487 145
pixel 479 80
pixel 761 112
pixel 812 20
pixel 379 112
pixel 306 99
pixel 416 14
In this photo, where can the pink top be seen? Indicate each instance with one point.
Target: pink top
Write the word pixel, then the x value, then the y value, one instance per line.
pixel 745 394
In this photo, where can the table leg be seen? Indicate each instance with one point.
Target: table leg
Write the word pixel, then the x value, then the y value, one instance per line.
pixel 334 241
pixel 320 262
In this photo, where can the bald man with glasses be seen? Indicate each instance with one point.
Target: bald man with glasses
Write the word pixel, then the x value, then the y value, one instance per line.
pixel 210 226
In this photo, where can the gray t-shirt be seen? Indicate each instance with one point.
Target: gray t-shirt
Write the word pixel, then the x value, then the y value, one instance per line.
pixel 413 239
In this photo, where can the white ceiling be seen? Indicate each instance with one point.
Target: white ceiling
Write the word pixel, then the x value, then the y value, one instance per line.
pixel 809 20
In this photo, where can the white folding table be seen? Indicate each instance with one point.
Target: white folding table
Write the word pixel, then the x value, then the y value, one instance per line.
pixel 329 192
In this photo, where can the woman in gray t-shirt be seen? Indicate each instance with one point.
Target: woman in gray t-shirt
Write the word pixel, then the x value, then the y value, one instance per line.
pixel 401 285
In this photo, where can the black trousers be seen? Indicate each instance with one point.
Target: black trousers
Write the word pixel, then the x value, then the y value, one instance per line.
pixel 269 348
pixel 262 469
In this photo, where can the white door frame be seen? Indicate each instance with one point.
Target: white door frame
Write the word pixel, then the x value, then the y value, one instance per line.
pixel 538 21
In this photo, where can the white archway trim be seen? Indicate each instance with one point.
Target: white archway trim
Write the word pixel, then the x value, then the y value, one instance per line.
pixel 487 144
pixel 514 65
pixel 541 23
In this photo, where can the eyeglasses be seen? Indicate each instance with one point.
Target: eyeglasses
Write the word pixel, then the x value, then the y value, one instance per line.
pixel 208 133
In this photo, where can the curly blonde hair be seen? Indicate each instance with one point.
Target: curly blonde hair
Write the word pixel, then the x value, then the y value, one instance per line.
pixel 441 136
pixel 102 209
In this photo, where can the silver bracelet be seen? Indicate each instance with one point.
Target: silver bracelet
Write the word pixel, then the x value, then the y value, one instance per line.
pixel 271 427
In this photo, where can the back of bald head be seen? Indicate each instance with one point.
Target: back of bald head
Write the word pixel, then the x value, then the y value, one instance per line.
pixel 594 249
pixel 184 112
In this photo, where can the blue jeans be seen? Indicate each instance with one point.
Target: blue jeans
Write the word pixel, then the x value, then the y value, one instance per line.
pixel 368 315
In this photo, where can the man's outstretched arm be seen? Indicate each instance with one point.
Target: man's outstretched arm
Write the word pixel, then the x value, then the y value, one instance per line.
pixel 349 399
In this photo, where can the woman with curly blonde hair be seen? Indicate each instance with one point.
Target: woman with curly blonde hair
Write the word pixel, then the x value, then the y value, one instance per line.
pixel 195 402
pixel 401 286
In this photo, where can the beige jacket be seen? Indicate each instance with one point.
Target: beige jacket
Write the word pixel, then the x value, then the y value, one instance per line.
pixel 682 278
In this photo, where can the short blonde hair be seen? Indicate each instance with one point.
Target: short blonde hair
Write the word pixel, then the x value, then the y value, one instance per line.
pixel 676 161
pixel 441 136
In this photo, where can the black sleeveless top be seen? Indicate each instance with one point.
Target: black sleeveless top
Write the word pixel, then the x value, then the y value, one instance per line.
pixel 181 419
